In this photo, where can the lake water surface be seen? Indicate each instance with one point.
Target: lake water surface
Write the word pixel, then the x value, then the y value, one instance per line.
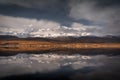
pixel 60 67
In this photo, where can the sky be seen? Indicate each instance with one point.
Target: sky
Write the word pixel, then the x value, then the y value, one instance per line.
pixel 52 18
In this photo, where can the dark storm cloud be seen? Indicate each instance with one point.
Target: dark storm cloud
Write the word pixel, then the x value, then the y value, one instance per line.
pixel 103 13
pixel 55 10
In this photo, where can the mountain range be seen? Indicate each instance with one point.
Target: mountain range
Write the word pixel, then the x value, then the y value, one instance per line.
pixel 69 39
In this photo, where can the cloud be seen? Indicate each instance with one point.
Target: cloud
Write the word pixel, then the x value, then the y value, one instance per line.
pixel 25 27
pixel 30 3
pixel 72 17
pixel 107 16
pixel 18 22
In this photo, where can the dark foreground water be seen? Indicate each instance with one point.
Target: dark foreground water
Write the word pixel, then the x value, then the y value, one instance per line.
pixel 54 66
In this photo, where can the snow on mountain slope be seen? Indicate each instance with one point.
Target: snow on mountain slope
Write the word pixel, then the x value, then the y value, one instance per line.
pixel 48 32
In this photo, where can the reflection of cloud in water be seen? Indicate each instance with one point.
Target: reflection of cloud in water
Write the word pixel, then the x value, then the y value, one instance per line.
pixel 43 63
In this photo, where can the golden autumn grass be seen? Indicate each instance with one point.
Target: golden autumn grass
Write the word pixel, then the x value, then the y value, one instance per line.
pixel 30 45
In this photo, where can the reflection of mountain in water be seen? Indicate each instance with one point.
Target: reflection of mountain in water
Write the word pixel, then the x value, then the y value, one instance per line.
pixel 59 67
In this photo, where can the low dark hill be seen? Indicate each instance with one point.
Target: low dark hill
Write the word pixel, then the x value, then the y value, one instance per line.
pixel 69 39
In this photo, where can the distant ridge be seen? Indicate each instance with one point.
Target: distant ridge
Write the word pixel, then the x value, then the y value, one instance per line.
pixel 83 39
pixel 8 37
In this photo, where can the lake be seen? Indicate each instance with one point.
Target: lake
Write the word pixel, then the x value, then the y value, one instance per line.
pixel 60 66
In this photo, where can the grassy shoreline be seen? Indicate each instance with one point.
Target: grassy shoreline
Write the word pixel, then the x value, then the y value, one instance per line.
pixel 26 45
